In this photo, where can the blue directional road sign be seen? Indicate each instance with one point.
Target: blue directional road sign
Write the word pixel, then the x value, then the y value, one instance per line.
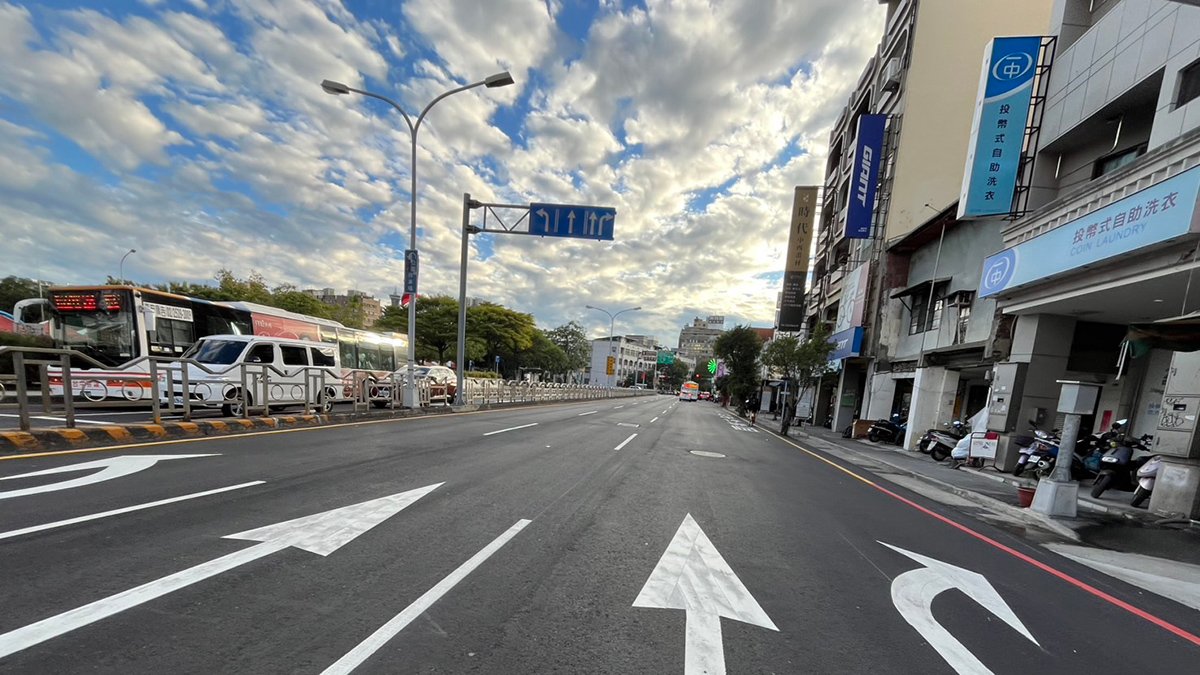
pixel 564 220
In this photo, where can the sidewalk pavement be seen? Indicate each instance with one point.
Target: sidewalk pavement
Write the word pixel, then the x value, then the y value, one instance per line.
pixel 1108 523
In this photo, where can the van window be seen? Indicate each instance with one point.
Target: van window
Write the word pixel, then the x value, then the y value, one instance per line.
pixel 293 355
pixel 323 356
pixel 261 353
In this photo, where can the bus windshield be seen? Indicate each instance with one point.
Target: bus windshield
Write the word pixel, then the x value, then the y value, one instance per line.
pixel 220 352
pixel 105 336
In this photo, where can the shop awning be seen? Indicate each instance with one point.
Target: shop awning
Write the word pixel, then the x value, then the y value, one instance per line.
pixel 918 287
pixel 1180 333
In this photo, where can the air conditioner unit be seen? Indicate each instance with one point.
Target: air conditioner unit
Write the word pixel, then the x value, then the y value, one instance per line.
pixel 891 75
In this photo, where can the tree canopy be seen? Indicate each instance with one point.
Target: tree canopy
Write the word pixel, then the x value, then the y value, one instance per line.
pixel 740 347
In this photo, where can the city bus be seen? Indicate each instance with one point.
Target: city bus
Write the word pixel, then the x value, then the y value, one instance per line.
pixel 117 325
pixel 690 391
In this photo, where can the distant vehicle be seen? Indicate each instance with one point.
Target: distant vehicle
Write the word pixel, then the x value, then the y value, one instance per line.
pixel 706 396
pixel 443 383
pixel 689 392
pixel 293 362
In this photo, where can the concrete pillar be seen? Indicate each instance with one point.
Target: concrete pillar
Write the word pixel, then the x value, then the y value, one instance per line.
pixel 1044 342
pixel 846 401
pixel 934 390
pixel 1177 488
pixel 881 393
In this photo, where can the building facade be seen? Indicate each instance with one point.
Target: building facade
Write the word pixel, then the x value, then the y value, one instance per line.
pixel 635 355
pixel 372 309
pixel 871 257
pixel 1099 280
pixel 696 341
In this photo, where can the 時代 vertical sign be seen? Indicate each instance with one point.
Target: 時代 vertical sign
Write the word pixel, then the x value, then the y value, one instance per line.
pixel 868 153
pixel 998 127
pixel 795 270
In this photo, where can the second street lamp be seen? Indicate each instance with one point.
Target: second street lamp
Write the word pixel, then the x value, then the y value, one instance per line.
pixel 612 323
pixel 500 79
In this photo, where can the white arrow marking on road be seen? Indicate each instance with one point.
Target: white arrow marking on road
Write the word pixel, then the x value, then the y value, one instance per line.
pixel 355 657
pixel 110 468
pixel 546 216
pixel 913 593
pixel 322 533
pixel 692 576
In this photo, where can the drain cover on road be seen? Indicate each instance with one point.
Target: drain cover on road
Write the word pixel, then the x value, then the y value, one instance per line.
pixel 705 453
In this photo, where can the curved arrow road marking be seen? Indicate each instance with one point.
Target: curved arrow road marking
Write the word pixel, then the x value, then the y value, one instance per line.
pixel 913 593
pixel 110 468
pixel 322 534
pixel 692 576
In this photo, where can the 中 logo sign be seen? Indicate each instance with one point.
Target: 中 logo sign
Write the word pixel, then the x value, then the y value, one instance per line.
pixel 1012 67
pixel 998 271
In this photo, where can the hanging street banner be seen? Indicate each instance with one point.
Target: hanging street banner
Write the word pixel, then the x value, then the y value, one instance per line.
pixel 998 127
pixel 412 265
pixel 867 156
pixel 1155 215
pixel 795 271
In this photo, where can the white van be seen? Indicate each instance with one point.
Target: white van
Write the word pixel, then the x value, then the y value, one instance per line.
pixel 276 372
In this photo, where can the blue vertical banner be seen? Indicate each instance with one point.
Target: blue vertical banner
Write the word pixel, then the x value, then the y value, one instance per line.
pixel 868 153
pixel 998 128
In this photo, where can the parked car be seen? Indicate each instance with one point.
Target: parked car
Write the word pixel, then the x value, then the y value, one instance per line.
pixel 443 382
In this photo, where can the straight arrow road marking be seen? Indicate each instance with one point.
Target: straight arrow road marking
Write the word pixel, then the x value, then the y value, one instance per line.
pixel 127 509
pixel 590 412
pixel 692 576
pixel 914 591
pixel 363 651
pixel 500 431
pixel 110 468
pixel 626 441
pixel 322 533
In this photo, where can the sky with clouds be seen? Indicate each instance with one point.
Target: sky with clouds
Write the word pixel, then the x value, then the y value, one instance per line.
pixel 196 132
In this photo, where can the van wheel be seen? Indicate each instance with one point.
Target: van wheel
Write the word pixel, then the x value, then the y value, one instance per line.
pixel 325 402
pixel 233 407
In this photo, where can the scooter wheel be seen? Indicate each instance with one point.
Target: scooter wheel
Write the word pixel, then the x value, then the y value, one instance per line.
pixel 1019 470
pixel 938 453
pixel 873 436
pixel 1102 483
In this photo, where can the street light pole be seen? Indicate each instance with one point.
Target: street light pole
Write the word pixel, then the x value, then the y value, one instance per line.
pixel 501 79
pixel 612 325
pixel 121 266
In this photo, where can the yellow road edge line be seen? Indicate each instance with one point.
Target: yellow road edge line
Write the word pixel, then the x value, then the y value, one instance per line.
pixel 410 418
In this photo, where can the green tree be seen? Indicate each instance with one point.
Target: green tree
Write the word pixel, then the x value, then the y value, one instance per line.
pixel 803 362
pixel 13 289
pixel 288 298
pixel 740 348
pixel 543 355
pixel 674 375
pixel 437 326
pixel 504 332
pixel 572 339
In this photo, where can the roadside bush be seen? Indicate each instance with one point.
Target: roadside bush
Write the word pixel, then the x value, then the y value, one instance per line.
pixel 482 374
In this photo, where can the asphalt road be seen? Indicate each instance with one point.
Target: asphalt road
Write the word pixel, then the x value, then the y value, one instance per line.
pixel 796 553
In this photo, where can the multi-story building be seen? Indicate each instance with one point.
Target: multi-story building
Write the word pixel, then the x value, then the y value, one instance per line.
pixel 916 96
pixel 1098 282
pixel 696 341
pixel 371 308
pixel 634 354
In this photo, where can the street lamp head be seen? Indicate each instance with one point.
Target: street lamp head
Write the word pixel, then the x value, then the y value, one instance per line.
pixel 132 250
pixel 498 80
pixel 335 88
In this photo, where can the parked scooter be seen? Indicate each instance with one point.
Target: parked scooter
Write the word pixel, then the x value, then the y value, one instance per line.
pixel 1119 468
pixel 938 443
pixel 1146 476
pixel 888 431
pixel 1043 447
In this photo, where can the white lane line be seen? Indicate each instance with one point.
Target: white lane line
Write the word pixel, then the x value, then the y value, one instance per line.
pixel 618 407
pixel 127 509
pixel 57 419
pixel 666 411
pixel 500 431
pixel 628 424
pixel 626 441
pixel 590 412
pixel 355 657
pixel 653 420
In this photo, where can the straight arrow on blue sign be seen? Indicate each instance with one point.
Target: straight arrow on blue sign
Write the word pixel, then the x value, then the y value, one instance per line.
pixel 564 220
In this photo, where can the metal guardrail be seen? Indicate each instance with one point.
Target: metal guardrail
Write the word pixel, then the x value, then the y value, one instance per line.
pixel 255 388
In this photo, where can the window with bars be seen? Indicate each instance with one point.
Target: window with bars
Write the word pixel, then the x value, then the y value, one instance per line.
pixel 923 317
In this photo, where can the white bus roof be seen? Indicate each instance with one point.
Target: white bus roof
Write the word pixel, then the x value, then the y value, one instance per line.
pixel 275 311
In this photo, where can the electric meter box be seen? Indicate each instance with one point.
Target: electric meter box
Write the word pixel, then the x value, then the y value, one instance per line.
pixel 1077 398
